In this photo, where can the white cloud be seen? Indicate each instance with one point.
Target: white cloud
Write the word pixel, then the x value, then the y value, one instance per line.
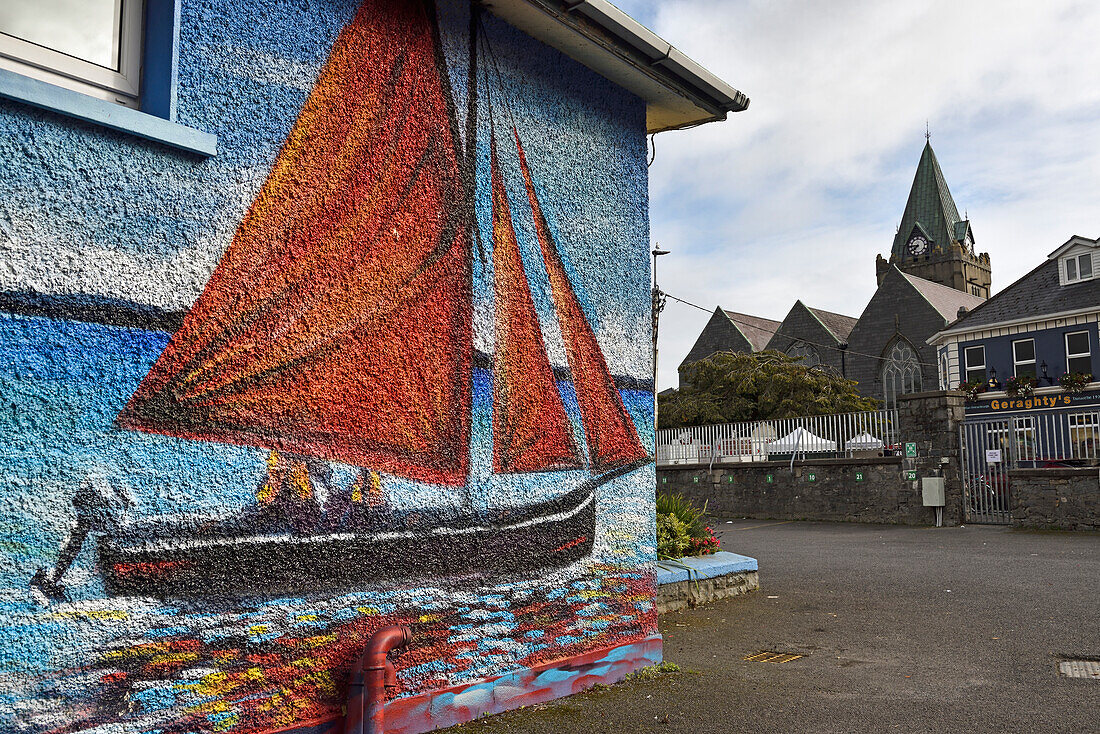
pixel 795 197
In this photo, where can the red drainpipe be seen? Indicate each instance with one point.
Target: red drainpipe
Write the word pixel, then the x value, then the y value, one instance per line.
pixel 374 670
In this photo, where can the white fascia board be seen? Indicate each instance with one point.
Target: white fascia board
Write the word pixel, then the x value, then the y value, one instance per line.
pixel 678 92
pixel 962 331
pixel 1071 242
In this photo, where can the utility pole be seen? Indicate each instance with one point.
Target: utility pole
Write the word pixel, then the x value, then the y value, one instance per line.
pixel 658 306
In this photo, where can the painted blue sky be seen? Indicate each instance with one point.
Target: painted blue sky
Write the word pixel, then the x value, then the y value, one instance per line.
pixel 795 197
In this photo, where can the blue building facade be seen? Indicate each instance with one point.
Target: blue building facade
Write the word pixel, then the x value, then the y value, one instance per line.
pixel 1032 350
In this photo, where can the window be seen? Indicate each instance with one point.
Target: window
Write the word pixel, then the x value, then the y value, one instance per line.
pixel 1023 358
pixel 1078 354
pixel 1084 429
pixel 1079 267
pixel 975 364
pixel 91 46
pixel 805 352
pixel 900 372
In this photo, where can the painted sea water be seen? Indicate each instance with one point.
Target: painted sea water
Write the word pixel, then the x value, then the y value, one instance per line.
pixel 258 663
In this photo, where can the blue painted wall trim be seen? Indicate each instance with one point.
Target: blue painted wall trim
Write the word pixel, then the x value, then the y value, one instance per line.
pixel 160 68
pixel 704 567
pixel 116 117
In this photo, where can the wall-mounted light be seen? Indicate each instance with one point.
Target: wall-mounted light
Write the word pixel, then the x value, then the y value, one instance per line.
pixel 1045 376
pixel 993 384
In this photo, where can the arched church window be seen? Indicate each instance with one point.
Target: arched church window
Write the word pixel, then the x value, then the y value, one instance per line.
pixel 806 352
pixel 900 372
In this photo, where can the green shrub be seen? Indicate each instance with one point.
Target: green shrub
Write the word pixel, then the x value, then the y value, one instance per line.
pixel 700 538
pixel 673 538
pixel 684 510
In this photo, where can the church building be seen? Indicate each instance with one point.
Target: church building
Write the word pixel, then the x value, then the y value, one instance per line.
pixel 932 276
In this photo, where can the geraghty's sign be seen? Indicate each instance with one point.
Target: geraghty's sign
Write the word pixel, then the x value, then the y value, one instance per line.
pixel 1033 402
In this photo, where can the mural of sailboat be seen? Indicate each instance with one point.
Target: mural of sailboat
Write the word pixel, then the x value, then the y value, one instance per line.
pixel 338 327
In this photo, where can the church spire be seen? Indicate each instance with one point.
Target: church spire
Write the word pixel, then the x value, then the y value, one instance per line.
pixel 930 210
pixel 932 241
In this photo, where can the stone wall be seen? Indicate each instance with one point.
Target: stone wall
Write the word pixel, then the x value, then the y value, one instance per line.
pixel 875 489
pixel 1066 499
pixel 859 490
pixel 931 420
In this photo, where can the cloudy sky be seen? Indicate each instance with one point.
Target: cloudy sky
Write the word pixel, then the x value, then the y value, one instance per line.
pixel 795 197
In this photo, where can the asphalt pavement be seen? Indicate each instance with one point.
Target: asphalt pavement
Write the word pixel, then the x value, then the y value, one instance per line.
pixel 900 630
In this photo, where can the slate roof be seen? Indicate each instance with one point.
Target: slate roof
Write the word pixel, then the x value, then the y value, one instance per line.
pixel 1034 295
pixel 930 205
pixel 944 299
pixel 757 330
pixel 837 323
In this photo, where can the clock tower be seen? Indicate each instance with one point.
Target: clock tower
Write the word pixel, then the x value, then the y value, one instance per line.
pixel 933 242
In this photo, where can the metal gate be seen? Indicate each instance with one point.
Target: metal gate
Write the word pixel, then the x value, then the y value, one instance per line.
pixel 989 448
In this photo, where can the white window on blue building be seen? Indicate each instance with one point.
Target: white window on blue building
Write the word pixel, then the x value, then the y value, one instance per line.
pixel 1078 353
pixel 974 358
pixel 90 46
pixel 1079 267
pixel 900 372
pixel 1023 358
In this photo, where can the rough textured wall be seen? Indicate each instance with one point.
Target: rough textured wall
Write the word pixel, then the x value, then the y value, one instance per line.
pixel 814 490
pixel 257 406
pixel 1065 499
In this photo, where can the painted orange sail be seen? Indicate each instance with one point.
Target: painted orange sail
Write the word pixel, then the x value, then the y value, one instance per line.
pixel 338 322
pixel 531 431
pixel 612 439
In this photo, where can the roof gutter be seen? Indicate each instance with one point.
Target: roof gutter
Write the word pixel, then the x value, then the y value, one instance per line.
pixel 661 53
pixel 601 23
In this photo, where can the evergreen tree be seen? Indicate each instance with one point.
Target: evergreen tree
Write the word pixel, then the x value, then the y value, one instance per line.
pixel 728 387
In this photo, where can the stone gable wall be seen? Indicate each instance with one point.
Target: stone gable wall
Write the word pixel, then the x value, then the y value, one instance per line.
pixel 916 320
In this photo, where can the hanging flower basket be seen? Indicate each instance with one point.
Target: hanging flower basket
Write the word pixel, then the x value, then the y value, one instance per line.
pixel 1020 386
pixel 972 389
pixel 1074 382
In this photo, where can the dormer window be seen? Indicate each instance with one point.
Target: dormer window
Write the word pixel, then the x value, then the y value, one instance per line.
pixel 1078 267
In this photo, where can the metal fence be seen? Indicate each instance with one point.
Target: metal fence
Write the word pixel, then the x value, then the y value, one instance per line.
pixel 992 445
pixel 819 436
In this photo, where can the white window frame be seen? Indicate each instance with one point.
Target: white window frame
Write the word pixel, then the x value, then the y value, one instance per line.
pixel 54 67
pixel 1017 362
pixel 967 367
pixel 1078 355
pixel 1076 261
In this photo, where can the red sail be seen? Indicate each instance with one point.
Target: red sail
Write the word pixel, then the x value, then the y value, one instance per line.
pixel 338 322
pixel 530 429
pixel 612 439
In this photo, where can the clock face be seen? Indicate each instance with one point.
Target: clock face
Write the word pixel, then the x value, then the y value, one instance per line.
pixel 918 245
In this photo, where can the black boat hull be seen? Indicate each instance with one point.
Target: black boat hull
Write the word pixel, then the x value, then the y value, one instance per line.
pixel 548 535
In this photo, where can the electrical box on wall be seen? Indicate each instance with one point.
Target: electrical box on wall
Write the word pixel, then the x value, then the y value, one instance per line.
pixel 932 490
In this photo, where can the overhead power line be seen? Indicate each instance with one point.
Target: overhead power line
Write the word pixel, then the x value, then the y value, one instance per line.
pixel 790 336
